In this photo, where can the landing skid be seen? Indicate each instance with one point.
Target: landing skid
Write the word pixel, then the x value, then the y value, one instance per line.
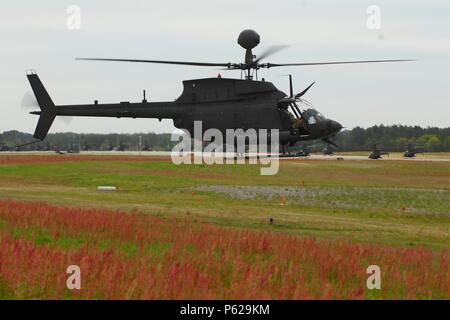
pixel 285 151
pixel 297 155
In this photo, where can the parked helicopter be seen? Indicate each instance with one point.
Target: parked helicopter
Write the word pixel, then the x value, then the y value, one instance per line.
pixel 304 153
pixel 377 153
pixel 411 151
pixel 328 150
pixel 218 102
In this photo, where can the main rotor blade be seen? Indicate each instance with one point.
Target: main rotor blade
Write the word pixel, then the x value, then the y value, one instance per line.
pixel 299 111
pixel 271 65
pixel 270 51
pixel 291 89
pixel 295 112
pixel 201 64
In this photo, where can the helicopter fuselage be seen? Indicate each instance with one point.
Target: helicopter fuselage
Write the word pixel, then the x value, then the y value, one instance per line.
pixel 221 104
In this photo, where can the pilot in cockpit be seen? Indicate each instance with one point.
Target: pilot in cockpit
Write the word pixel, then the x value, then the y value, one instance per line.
pixel 297 123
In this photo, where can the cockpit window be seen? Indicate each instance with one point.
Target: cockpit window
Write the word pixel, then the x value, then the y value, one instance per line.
pixel 312 120
pixel 320 116
pixel 313 116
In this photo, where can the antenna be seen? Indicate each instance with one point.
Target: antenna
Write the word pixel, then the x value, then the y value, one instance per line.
pixel 145 99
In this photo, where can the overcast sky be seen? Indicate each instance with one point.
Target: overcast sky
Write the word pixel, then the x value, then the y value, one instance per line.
pixel 34 34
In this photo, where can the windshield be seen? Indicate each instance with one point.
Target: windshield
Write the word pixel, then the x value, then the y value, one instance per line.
pixel 312 120
pixel 313 116
pixel 318 115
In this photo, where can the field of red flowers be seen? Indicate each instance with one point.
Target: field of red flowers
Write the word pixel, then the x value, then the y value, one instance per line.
pixel 136 256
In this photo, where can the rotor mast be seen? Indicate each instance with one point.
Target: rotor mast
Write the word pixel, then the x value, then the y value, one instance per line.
pixel 249 62
pixel 249 39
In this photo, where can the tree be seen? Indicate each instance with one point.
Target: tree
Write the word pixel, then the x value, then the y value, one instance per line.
pixel 430 141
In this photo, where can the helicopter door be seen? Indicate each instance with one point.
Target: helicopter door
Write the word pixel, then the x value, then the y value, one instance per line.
pixel 285 119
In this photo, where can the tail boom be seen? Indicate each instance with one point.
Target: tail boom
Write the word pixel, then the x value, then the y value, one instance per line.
pixel 48 112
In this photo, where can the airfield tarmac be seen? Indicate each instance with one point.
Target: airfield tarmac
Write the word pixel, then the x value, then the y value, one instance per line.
pixel 361 158
pixel 350 156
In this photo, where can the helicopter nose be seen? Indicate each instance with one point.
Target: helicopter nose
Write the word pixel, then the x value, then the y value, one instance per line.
pixel 336 126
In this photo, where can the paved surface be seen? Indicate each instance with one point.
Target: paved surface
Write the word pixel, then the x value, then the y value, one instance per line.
pixel 312 157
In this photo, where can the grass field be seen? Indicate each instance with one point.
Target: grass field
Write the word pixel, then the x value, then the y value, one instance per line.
pixel 348 213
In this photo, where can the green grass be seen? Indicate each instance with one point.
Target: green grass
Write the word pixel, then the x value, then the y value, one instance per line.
pixel 403 203
pixel 6 293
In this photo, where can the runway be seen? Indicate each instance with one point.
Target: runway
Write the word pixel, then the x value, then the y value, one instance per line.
pixel 445 157
pixel 361 158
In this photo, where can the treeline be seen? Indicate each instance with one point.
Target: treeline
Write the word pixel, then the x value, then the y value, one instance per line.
pixel 388 138
pixel 85 142
pixel 394 138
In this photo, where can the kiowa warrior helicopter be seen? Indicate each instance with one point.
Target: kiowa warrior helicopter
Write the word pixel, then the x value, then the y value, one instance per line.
pixel 377 153
pixel 218 102
pixel 411 151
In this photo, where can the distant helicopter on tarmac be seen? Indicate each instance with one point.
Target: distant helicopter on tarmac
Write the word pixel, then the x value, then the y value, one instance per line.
pixel 376 153
pixel 219 103
pixel 411 151
pixel 328 151
pixel 305 152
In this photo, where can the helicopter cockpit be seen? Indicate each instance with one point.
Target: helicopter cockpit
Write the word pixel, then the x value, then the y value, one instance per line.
pixel 312 116
pixel 311 122
pixel 308 117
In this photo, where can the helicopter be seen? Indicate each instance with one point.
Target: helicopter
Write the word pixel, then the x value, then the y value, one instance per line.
pixel 304 152
pixel 411 151
pixel 220 103
pixel 377 153
pixel 328 151
pixel 3 147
